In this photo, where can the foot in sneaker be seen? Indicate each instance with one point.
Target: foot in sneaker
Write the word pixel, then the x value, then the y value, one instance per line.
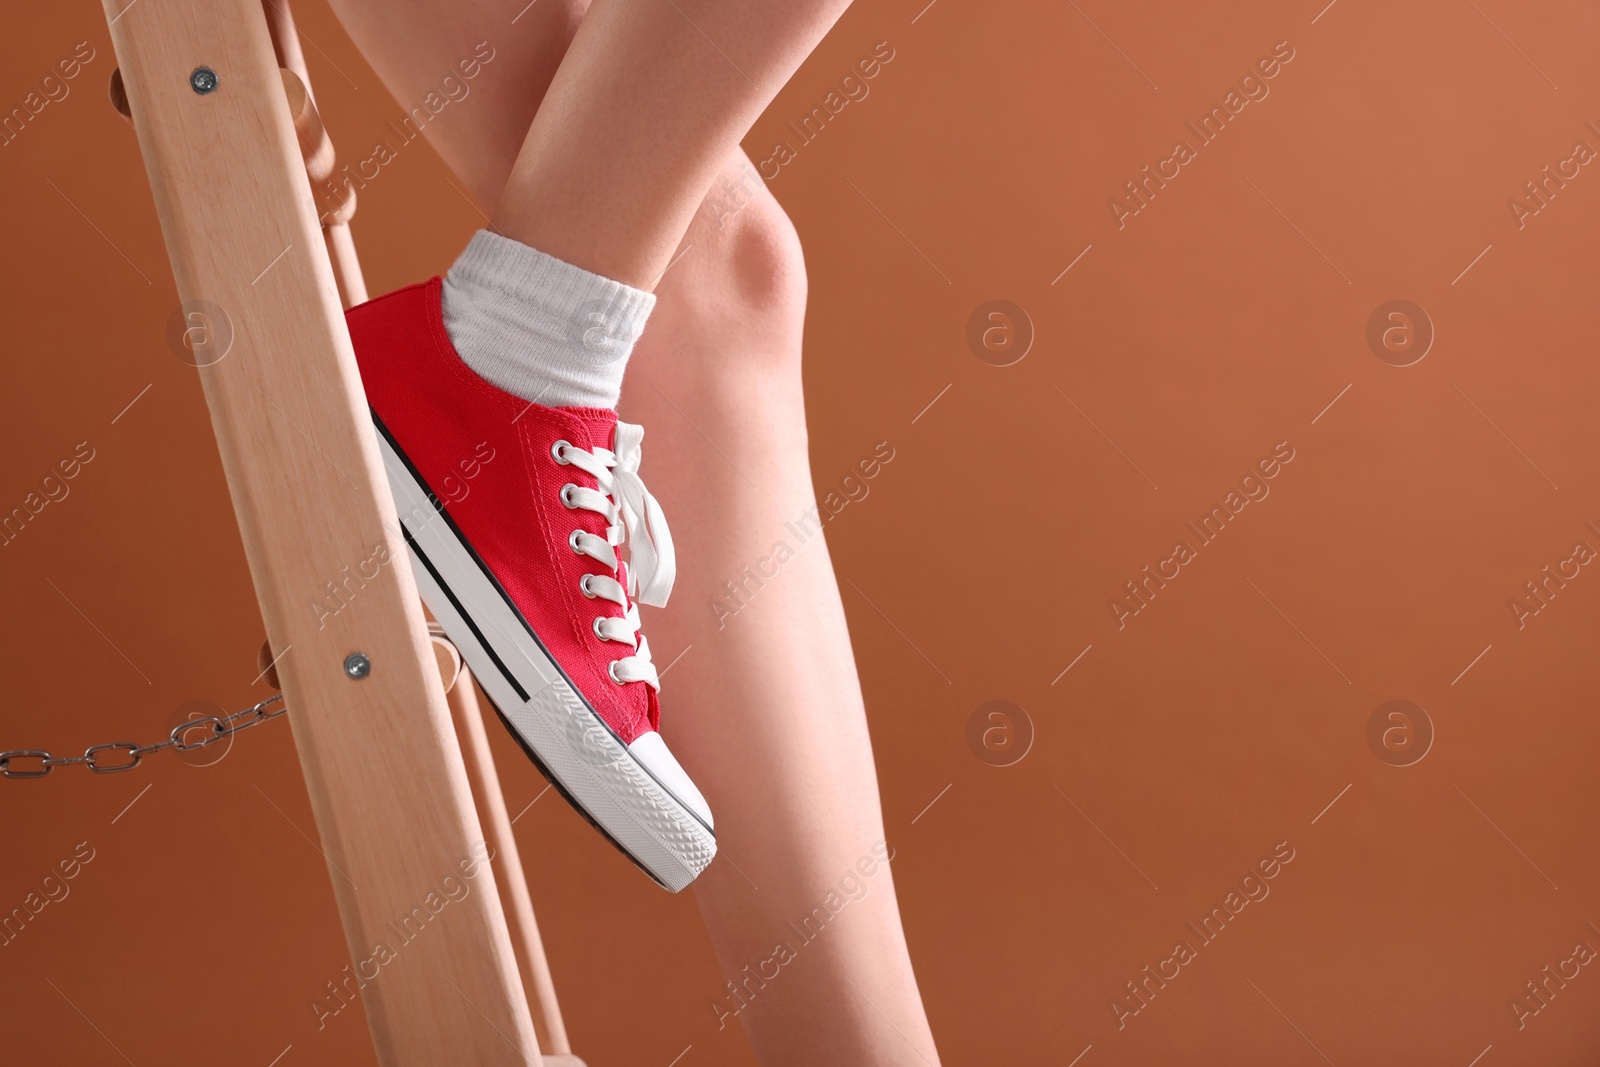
pixel 515 515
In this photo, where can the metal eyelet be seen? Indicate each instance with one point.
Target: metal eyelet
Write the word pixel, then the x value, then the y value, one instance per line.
pixel 572 542
pixel 611 669
pixel 583 584
pixel 566 494
pixel 598 619
pixel 558 452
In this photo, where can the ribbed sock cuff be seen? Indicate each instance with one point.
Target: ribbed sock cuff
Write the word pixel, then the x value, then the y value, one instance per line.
pixel 539 327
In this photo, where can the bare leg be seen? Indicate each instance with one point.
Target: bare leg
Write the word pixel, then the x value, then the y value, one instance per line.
pixel 649 101
pixel 765 710
pixel 648 104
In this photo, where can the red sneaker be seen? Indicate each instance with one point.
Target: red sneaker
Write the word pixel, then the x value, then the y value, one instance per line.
pixel 514 513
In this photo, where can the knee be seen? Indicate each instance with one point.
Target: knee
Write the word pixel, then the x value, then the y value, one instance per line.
pixel 763 264
pixel 748 270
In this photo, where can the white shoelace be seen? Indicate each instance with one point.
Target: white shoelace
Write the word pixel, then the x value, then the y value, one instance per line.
pixel 633 517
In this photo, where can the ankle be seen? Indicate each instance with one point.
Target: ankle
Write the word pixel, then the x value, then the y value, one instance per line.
pixel 540 328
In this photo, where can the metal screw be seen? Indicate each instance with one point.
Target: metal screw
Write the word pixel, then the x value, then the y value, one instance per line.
pixel 203 80
pixel 357 665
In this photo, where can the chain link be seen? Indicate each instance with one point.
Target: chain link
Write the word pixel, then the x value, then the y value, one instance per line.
pixel 104 759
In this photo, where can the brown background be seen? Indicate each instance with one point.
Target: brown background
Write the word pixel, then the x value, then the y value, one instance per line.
pixel 1211 728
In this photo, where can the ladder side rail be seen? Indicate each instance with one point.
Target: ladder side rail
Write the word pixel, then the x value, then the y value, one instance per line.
pixel 382 764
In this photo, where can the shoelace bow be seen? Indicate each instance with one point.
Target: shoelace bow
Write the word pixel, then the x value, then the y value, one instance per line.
pixel 633 517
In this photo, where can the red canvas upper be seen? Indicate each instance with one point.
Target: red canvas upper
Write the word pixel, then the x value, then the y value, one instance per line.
pixel 486 455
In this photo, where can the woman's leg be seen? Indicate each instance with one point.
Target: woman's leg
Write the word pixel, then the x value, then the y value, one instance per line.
pixel 643 101
pixel 764 708
pixel 649 102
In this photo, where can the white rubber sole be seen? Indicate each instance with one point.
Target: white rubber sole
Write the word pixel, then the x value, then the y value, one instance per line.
pixel 556 727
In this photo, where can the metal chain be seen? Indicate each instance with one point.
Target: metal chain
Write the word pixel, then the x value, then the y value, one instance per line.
pixel 218 726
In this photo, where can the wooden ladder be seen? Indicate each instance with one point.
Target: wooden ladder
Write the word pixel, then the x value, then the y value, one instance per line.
pixel 385 716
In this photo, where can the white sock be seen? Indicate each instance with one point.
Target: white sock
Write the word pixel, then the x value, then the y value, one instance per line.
pixel 540 328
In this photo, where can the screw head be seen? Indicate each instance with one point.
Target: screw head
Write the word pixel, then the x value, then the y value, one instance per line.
pixel 203 80
pixel 357 665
